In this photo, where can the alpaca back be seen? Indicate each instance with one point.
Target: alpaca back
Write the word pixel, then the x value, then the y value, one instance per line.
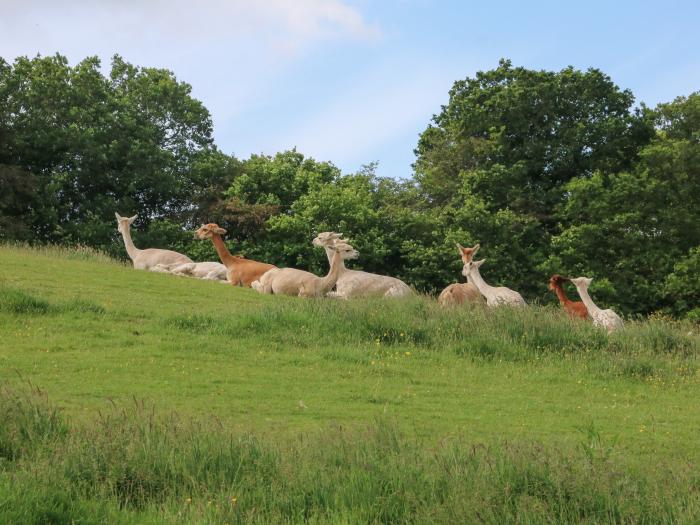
pixel 460 293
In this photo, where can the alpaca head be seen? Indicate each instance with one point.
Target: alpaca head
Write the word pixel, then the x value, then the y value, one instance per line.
pixel 326 239
pixel 123 223
pixel 467 254
pixel 583 282
pixel 555 281
pixel 345 250
pixel 208 230
pixel 471 264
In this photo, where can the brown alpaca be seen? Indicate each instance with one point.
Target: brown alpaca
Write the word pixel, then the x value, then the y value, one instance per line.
pixel 239 270
pixel 575 309
pixel 460 293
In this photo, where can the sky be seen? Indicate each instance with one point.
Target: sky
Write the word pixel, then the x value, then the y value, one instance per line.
pixel 357 81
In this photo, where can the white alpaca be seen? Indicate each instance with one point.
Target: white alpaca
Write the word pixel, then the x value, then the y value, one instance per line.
pixel 290 281
pixel 462 293
pixel 495 295
pixel 212 271
pixel 148 258
pixel 607 319
pixel 356 283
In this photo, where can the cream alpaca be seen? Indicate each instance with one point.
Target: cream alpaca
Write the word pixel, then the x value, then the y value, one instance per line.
pixel 212 271
pixel 148 258
pixel 356 283
pixel 290 281
pixel 607 319
pixel 495 295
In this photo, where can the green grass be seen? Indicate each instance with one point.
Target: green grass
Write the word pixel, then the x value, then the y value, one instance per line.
pixel 362 411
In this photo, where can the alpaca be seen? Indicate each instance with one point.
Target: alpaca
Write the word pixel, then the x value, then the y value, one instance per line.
pixel 148 258
pixel 212 271
pixel 575 309
pixel 607 319
pixel 290 281
pixel 239 270
pixel 495 295
pixel 460 293
pixel 356 283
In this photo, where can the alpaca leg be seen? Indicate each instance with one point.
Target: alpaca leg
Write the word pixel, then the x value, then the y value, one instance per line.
pixel 262 287
pixel 160 268
pixel 214 275
pixel 182 269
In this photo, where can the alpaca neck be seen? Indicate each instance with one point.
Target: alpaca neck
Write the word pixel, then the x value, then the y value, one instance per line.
pixel 329 280
pixel 330 254
pixel 561 294
pixel 132 250
pixel 590 305
pixel 221 249
pixel 478 281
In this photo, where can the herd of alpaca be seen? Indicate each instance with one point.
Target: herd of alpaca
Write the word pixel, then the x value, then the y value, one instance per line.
pixel 269 279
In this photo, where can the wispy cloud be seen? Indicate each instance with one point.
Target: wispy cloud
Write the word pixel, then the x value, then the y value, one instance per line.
pixel 233 52
pixel 29 26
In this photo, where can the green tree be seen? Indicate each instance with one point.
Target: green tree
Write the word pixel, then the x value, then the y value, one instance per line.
pixel 495 162
pixel 682 286
pixel 514 136
pixel 355 205
pixel 630 228
pixel 94 145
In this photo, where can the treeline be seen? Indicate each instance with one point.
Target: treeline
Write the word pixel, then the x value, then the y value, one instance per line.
pixel 550 171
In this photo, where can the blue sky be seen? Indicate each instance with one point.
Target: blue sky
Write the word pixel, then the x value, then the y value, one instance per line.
pixel 355 81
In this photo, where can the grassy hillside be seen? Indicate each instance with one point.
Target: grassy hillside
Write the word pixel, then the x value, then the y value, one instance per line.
pixel 357 411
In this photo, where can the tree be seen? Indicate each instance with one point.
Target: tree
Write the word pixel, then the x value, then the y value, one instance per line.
pixel 682 287
pixel 94 145
pixel 497 159
pixel 632 228
pixel 514 136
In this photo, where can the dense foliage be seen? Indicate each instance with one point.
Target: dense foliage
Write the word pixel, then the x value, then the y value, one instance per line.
pixel 550 171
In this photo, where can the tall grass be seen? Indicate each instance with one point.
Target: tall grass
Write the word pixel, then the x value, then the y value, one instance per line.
pixel 132 465
pixel 79 252
pixel 643 348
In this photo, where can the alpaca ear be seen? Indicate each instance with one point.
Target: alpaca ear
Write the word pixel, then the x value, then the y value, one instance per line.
pixel 479 263
pixel 132 219
pixel 476 248
pixel 460 247
pixel 119 217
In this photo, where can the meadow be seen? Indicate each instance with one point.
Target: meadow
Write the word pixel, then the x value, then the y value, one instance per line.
pixel 136 397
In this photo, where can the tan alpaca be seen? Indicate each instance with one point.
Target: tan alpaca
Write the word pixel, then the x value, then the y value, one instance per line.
pixel 150 257
pixel 460 293
pixel 239 270
pixel 607 319
pixel 356 283
pixel 290 281
pixel 495 295
pixel 212 271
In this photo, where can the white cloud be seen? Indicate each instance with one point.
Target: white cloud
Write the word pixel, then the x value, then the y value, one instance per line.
pixel 233 52
pixel 30 26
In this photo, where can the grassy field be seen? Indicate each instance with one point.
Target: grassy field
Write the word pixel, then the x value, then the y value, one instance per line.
pixel 171 399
